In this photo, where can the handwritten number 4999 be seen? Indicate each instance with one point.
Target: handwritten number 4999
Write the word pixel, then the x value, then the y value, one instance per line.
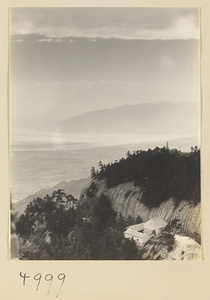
pixel 48 277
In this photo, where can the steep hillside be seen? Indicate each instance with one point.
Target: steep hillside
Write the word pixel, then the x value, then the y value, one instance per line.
pixel 73 187
pixel 126 198
pixel 159 117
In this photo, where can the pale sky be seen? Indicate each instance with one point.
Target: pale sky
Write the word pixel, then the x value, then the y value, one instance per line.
pixel 67 61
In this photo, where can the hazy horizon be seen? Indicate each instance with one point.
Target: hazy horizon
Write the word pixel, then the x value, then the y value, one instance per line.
pixel 65 62
pixel 47 164
pixel 68 61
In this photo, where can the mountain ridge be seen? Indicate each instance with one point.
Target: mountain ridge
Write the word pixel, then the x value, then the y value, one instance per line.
pixel 153 117
pixel 72 187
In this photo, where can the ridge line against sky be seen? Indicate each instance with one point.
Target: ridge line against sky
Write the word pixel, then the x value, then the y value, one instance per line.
pixel 93 23
pixel 111 108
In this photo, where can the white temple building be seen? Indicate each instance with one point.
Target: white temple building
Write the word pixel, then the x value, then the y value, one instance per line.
pixel 143 232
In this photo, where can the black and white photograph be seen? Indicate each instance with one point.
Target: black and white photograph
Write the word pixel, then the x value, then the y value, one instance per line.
pixel 105 133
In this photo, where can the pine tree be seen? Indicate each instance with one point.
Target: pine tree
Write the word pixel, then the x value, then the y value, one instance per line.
pixel 93 173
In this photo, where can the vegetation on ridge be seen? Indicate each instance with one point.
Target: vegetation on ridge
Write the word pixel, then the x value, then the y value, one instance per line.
pixel 52 229
pixel 161 173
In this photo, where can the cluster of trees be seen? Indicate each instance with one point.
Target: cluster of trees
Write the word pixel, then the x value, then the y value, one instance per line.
pixel 51 231
pixel 49 213
pixel 161 173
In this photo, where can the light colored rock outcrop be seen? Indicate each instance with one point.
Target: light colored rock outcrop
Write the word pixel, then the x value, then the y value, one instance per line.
pixel 185 248
pixel 126 198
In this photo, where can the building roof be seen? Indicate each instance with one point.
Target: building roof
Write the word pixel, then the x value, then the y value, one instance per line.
pixel 155 223
pixel 134 233
pixel 137 227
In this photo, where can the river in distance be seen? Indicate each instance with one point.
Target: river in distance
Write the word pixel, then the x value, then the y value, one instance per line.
pixel 38 164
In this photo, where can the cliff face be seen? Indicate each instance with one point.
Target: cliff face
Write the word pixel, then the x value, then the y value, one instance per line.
pixel 126 198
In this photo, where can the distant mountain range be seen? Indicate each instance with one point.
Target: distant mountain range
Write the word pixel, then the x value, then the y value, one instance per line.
pixel 73 187
pixel 157 118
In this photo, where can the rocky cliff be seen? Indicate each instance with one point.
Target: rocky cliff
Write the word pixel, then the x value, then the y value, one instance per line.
pixel 126 198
